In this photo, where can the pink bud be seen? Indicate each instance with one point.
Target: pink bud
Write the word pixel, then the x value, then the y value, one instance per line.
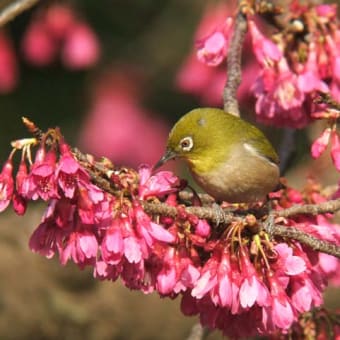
pixel 266 51
pixel 19 204
pixel 8 65
pixel 81 49
pixel 320 144
pixel 335 150
pixel 6 185
pixel 38 46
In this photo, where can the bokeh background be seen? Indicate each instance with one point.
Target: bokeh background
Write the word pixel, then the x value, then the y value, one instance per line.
pixel 118 98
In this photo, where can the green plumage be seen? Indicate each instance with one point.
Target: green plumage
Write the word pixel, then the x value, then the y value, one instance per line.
pixel 214 133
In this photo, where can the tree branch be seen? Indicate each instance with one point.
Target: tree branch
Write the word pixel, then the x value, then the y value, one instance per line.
pixel 13 9
pixel 226 217
pixel 234 63
pixel 310 241
pixel 310 209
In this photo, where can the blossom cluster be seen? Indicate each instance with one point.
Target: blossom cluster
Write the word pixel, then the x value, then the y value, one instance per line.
pixel 58 30
pixel 233 276
pixel 55 31
pixel 287 70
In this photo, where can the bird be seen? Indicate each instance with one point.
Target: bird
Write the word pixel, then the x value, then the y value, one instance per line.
pixel 228 157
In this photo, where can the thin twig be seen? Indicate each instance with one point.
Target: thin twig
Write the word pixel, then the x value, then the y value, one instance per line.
pixel 13 9
pixel 234 64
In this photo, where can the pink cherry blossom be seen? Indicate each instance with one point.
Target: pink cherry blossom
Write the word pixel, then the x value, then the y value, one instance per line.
pixel 116 114
pixel 309 79
pixel 321 143
pixel 81 246
pixel 281 309
pixel 158 184
pixel 38 45
pixel 112 245
pixel 81 48
pixel 69 172
pixel 266 51
pixel 212 50
pixel 290 264
pixel 46 239
pixel 105 271
pixel 41 181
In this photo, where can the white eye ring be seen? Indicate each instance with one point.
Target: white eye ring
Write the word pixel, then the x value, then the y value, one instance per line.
pixel 186 143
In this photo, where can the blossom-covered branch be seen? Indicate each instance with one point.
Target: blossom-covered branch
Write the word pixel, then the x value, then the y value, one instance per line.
pixel 13 9
pixel 216 216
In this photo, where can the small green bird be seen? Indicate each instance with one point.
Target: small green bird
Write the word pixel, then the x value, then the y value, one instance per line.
pixel 228 157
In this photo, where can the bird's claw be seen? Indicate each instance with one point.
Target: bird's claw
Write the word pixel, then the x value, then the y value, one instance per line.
pixel 219 212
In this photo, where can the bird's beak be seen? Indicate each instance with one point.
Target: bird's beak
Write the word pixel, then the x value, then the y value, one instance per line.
pixel 169 154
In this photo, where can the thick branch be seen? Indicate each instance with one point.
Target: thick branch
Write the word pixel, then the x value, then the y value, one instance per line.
pixel 234 65
pixel 13 9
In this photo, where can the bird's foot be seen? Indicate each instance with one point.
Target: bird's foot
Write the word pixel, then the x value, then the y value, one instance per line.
pixel 219 212
pixel 269 223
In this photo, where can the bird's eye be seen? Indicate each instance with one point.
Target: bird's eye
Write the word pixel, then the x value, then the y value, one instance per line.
pixel 186 143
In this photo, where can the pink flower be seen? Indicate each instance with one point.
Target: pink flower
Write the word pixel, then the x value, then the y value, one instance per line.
pixel 116 114
pixel 81 48
pixel 105 271
pixel 149 230
pixel 289 263
pixel 281 310
pixel 46 239
pixel 8 65
pixel 335 150
pixel 177 274
pixel 38 45
pixel 309 79
pixel 212 50
pixel 326 10
pixel 112 245
pixel 202 228
pixel 207 280
pixel 158 184
pixel 6 185
pixel 41 182
pixel 279 100
pixel 81 246
pixel 19 204
pixel 252 289
pixel 320 144
pixel 266 52
pixel 69 172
